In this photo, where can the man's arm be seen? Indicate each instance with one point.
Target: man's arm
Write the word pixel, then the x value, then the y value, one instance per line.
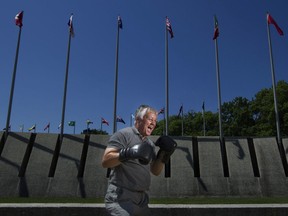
pixel 110 158
pixel 156 167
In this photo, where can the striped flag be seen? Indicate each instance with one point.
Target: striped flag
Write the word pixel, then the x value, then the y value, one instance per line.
pixel 104 121
pixel 169 27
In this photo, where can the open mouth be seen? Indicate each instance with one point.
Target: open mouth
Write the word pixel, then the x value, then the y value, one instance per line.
pixel 150 128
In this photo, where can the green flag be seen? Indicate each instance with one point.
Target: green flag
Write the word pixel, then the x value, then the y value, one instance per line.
pixel 71 123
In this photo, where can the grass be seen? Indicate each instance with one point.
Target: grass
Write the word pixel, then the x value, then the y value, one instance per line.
pixel 194 200
pixel 221 200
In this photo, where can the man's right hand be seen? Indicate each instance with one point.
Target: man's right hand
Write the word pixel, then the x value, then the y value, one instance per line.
pixel 143 152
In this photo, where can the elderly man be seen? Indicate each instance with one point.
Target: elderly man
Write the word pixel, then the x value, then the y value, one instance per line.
pixel 131 156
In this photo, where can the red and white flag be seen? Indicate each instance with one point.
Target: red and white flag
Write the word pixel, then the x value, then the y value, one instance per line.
pixel 19 19
pixel 104 121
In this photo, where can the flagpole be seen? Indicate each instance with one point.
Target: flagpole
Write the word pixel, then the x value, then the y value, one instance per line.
pixel 65 87
pixel 203 115
pixel 119 25
pixel 13 83
pixel 219 91
pixel 182 119
pixel 168 164
pixel 116 81
pixel 167 82
pixel 164 118
pixel 274 86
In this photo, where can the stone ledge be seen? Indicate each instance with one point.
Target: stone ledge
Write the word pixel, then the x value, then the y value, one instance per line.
pixel 79 209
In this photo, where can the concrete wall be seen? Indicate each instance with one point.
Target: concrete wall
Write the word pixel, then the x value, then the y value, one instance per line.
pixel 37 165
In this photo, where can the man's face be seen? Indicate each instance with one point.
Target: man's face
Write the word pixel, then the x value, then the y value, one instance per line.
pixel 148 124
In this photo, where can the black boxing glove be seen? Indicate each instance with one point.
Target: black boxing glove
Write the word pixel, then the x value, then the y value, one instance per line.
pixel 143 152
pixel 167 146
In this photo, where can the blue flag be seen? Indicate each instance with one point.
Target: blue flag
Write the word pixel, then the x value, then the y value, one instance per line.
pixel 119 119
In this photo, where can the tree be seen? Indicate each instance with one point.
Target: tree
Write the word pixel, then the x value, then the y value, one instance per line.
pixel 94 131
pixel 264 111
pixel 240 117
pixel 237 117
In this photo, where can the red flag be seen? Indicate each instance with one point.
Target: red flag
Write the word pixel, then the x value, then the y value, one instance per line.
pixel 270 20
pixel 216 28
pixel 19 19
pixel 169 27
pixel 104 121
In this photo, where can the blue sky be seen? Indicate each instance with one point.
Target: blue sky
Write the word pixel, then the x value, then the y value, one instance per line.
pixel 38 94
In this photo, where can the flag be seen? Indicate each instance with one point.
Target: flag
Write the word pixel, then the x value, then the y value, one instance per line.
pixel 32 128
pixel 72 123
pixel 169 27
pixel 120 25
pixel 180 110
pixel 88 122
pixel 19 19
pixel 270 20
pixel 104 121
pixel 216 28
pixel 161 111
pixel 70 24
pixel 119 119
pixel 203 106
pixel 47 126
pixel 8 128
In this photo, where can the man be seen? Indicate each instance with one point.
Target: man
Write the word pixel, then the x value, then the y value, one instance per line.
pixel 131 156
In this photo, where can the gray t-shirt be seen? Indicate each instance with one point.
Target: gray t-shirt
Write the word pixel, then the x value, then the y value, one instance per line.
pixel 130 174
